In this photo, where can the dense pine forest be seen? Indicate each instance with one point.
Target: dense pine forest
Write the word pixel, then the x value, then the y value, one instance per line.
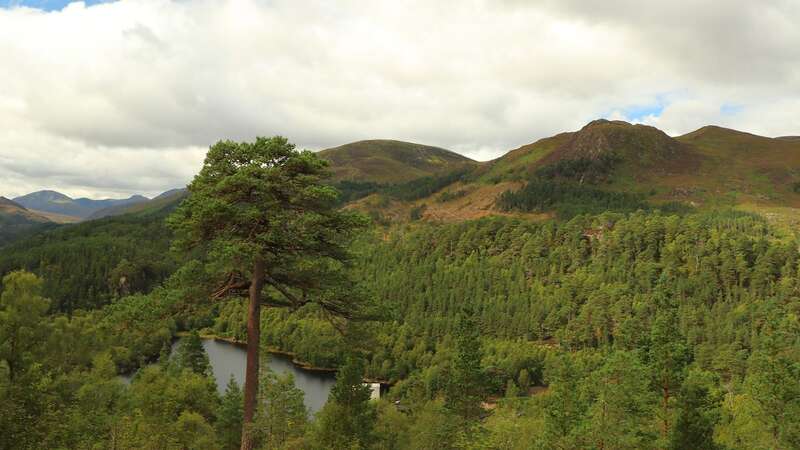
pixel 616 323
pixel 399 225
pixel 695 317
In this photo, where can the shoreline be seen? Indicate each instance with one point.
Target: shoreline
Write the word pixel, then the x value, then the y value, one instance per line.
pixel 304 365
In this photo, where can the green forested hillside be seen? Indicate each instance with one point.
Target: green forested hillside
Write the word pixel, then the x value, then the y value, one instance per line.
pixel 598 294
pixel 86 265
pixel 620 322
pixel 16 221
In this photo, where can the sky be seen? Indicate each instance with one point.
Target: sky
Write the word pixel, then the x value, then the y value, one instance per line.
pixel 108 99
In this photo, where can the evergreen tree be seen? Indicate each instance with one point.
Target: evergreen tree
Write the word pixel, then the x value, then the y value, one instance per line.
pixel 764 414
pixel 621 410
pixel 435 426
pixel 669 357
pixel 263 216
pixel 192 356
pixel 228 427
pixel 698 414
pixel 21 310
pixel 192 431
pixel 466 386
pixel 564 407
pixel 100 401
pixel 348 418
pixel 524 381
pixel 282 415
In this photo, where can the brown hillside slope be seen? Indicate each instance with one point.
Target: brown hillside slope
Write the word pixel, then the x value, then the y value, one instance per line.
pixel 12 208
pixel 747 168
pixel 388 161
pixel 710 167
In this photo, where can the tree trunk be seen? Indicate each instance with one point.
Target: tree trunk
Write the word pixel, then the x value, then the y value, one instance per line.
pixel 665 405
pixel 253 343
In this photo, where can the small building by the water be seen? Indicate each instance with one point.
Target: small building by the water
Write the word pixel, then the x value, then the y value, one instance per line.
pixel 375 390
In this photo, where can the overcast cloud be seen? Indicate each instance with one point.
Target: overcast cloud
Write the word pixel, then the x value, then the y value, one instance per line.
pixel 124 97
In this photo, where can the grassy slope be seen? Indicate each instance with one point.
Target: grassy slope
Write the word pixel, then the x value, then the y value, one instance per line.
pixel 745 168
pixel 16 221
pixel 712 166
pixel 56 218
pixel 708 168
pixel 387 161
pixel 164 200
pixel 519 163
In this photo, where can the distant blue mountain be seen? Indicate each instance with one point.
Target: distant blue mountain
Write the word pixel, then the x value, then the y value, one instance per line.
pixel 58 203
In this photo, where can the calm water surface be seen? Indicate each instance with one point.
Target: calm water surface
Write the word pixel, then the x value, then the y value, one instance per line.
pixel 230 359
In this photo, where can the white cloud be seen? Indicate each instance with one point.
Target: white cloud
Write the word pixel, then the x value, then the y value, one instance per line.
pixel 123 97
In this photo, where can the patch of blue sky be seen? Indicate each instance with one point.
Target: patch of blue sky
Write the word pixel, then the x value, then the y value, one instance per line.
pixel 640 111
pixel 45 5
pixel 728 109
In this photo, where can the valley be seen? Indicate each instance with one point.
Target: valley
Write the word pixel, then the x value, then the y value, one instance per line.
pixel 480 225
pixel 613 266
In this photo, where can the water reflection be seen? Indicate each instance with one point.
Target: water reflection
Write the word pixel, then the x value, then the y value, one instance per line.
pixel 230 359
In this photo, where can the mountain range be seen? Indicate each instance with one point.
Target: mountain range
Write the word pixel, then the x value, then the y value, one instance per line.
pixel 57 203
pixel 709 167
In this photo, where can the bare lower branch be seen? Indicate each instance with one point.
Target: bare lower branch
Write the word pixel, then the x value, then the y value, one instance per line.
pixel 234 283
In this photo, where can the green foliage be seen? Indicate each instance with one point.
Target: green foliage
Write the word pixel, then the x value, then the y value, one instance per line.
pixel 25 392
pixel 621 404
pixel 415 189
pixel 86 265
pixel 228 427
pixel 281 419
pixel 100 401
pixel 21 310
pixel 513 426
pixel 639 330
pixel 260 214
pixel 568 199
pixel 170 409
pixel 425 186
pixel 192 356
pixel 265 200
pixel 15 227
pixel 434 427
pixel 392 428
pixel 416 212
pixel 763 413
pixel 565 406
pixel 58 377
pixel 350 190
pixel 449 196
pixel 347 419
pixel 669 357
pixel 466 385
pixel 582 170
pixel 193 431
pixel 136 328
pixel 307 332
pixel 698 413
